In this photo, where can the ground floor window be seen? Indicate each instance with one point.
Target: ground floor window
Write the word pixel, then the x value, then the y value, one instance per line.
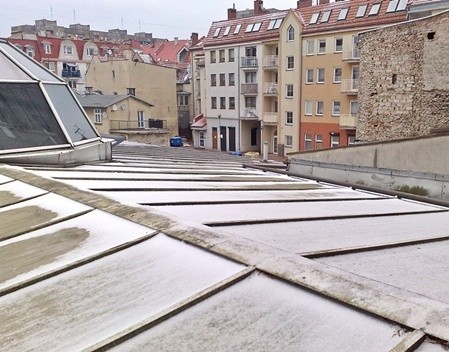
pixel 351 140
pixel 201 139
pixel 307 141
pixel 288 141
pixel 318 141
pixel 140 119
pixel 335 141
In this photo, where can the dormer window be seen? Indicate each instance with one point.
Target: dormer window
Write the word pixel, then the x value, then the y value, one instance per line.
pixel 47 48
pixel 68 50
pixel 290 34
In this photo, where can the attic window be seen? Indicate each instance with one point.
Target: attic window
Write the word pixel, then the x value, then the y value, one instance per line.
pixel 237 29
pixel 314 18
pixel 402 5
pixel 392 6
pixel 275 24
pixel 253 27
pixel 325 16
pixel 374 10
pixel 343 14
pixel 227 29
pixel 361 11
pixel 217 32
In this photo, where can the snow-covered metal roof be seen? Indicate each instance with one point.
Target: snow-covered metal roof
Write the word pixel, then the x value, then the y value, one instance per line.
pixel 178 249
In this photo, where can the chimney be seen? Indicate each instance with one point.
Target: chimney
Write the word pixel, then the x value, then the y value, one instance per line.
pixel 176 40
pixel 258 7
pixel 232 13
pixel 194 39
pixel 300 4
pixel 322 2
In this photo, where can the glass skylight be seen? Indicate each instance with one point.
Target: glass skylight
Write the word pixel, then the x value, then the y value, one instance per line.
pixel 325 16
pixel 343 14
pixel 227 29
pixel 402 5
pixel 374 9
pixel 237 29
pixel 361 11
pixel 392 6
pixel 217 32
pixel 314 18
pixel 275 24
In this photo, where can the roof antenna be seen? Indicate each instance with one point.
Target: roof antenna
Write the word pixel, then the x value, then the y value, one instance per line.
pixel 51 12
pixel 74 16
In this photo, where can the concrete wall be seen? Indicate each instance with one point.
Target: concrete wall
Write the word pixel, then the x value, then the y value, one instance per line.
pixel 404 86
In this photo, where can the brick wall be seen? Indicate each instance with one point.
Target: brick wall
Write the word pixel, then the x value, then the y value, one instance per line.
pixel 404 80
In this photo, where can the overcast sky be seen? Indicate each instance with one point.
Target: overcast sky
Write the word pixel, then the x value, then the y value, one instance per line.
pixel 163 18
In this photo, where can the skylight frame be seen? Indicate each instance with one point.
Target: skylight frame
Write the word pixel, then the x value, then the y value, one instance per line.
pixel 374 9
pixel 325 16
pixel 392 5
pixel 361 11
pixel 343 14
pixel 226 31
pixel 217 32
pixel 237 28
pixel 274 24
pixel 314 18
pixel 256 27
pixel 402 5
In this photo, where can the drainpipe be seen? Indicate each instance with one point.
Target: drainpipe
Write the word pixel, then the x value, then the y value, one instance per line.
pixel 238 100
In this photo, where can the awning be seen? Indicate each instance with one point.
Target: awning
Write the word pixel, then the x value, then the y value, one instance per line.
pixel 199 123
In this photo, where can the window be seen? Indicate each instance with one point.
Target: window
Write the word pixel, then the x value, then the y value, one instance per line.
pixel 289 90
pixel 222 79
pixel 30 51
pixel 131 91
pixel 202 137
pixel 253 27
pixel 222 103
pixel 251 51
pixel 338 45
pixel 90 51
pixel 213 80
pixel 68 50
pixel 325 16
pixel 289 118
pixel 361 11
pixel 290 62
pixel 308 108
pixel 113 74
pixel 374 9
pixel 392 6
pixel 231 103
pixel 275 24
pixel 213 102
pixel 310 47
pixel 213 57
pixel 288 141
pixel 337 74
pixel 221 55
pixel 251 77
pixel 237 29
pixel 319 107
pixel 98 115
pixel 342 15
pixel 307 141
pixel 309 75
pixel 231 56
pixel 226 31
pixel 318 141
pixel 140 120
pixel 217 32
pixel 231 79
pixel 335 140
pixel 336 108
pixel 183 100
pixel 354 107
pixel 320 75
pixel 321 46
pixel 314 18
pixel 51 66
pixel 47 48
pixel 290 34
pixel 250 102
pixel 351 140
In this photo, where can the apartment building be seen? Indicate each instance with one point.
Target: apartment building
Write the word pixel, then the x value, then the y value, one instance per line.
pixel 329 68
pixel 241 79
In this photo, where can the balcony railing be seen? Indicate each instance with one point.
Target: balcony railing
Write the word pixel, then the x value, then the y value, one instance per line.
pixel 71 73
pixel 271 62
pixel 249 62
pixel 249 88
pixel 271 88
pixel 351 53
pixel 250 113
pixel 349 86
pixel 138 125
pixel 270 118
pixel 348 121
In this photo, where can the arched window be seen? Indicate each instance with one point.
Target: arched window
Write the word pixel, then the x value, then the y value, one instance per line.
pixel 290 34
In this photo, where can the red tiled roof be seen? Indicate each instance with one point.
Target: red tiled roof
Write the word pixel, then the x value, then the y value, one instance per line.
pixel 242 36
pixel 200 122
pixel 167 52
pixel 350 21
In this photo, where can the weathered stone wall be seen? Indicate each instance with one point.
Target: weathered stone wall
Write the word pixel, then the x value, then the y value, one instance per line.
pixel 404 85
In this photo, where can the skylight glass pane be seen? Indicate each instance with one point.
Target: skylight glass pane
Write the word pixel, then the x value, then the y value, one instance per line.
pixel 392 6
pixel 361 11
pixel 402 5
pixel 343 14
pixel 26 119
pixel 11 71
pixel 271 24
pixel 314 18
pixel 71 115
pixel 249 28
pixel 36 69
pixel 217 32
pixel 325 17
pixel 374 9
pixel 237 29
pixel 257 26
pixel 227 29
pixel 278 23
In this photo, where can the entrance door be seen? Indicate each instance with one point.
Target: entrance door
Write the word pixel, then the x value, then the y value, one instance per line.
pixel 231 139
pixel 223 139
pixel 214 138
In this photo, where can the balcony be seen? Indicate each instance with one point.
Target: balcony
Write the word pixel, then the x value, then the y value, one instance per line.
pixel 270 118
pixel 349 86
pixel 249 62
pixel 271 88
pixel 348 122
pixel 271 62
pixel 250 114
pixel 249 88
pixel 148 124
pixel 351 53
pixel 71 73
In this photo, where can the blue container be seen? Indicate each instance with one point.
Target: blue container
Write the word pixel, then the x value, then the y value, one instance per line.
pixel 176 142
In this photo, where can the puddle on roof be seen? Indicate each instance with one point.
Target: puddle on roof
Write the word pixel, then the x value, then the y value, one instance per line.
pixel 24 256
pixel 7 198
pixel 18 220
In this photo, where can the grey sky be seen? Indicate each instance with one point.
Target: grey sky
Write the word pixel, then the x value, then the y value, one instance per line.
pixel 163 18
